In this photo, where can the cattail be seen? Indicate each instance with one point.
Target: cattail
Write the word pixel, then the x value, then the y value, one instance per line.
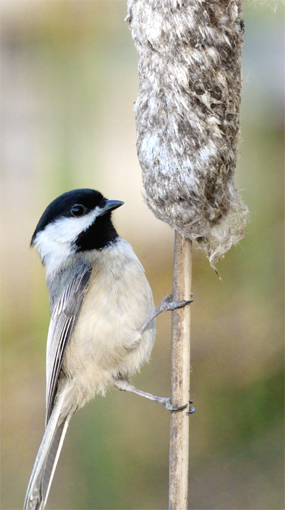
pixel 187 116
pixel 187 122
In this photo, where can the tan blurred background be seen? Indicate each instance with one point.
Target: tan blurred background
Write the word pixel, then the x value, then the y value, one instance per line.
pixel 69 81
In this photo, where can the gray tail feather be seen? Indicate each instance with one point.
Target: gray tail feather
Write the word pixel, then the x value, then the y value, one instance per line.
pixel 46 461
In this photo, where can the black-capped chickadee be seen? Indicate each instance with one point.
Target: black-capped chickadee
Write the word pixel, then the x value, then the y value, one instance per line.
pixel 102 318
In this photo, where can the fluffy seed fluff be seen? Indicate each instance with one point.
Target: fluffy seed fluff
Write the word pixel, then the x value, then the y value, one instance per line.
pixel 187 116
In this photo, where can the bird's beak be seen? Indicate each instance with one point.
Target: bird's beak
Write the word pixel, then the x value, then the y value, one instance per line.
pixel 109 205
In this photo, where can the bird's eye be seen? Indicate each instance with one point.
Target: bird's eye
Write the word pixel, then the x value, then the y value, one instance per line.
pixel 78 210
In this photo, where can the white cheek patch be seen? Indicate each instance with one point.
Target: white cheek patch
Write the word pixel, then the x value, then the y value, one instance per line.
pixel 56 242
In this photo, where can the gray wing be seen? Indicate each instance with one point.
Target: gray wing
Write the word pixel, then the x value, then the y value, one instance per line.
pixel 63 319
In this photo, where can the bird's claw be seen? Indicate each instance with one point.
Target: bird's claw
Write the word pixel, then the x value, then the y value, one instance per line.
pixel 170 407
pixel 191 408
pixel 167 303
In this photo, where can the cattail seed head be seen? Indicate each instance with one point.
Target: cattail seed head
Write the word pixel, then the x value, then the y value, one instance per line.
pixel 187 116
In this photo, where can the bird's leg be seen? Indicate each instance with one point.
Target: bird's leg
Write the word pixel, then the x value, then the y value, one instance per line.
pixel 165 305
pixel 125 385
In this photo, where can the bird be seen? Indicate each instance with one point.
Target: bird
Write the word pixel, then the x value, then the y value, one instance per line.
pixel 102 318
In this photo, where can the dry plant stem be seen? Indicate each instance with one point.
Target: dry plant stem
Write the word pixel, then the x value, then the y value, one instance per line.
pixel 180 376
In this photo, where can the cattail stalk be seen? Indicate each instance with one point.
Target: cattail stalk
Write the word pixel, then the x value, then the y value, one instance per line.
pixel 187 123
pixel 180 376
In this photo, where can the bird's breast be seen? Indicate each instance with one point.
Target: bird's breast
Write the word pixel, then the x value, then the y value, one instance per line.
pixel 106 340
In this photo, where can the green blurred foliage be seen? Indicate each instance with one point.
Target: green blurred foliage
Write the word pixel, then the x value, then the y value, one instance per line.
pixel 68 86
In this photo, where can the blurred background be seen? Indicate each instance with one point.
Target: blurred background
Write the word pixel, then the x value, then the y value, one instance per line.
pixel 69 81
